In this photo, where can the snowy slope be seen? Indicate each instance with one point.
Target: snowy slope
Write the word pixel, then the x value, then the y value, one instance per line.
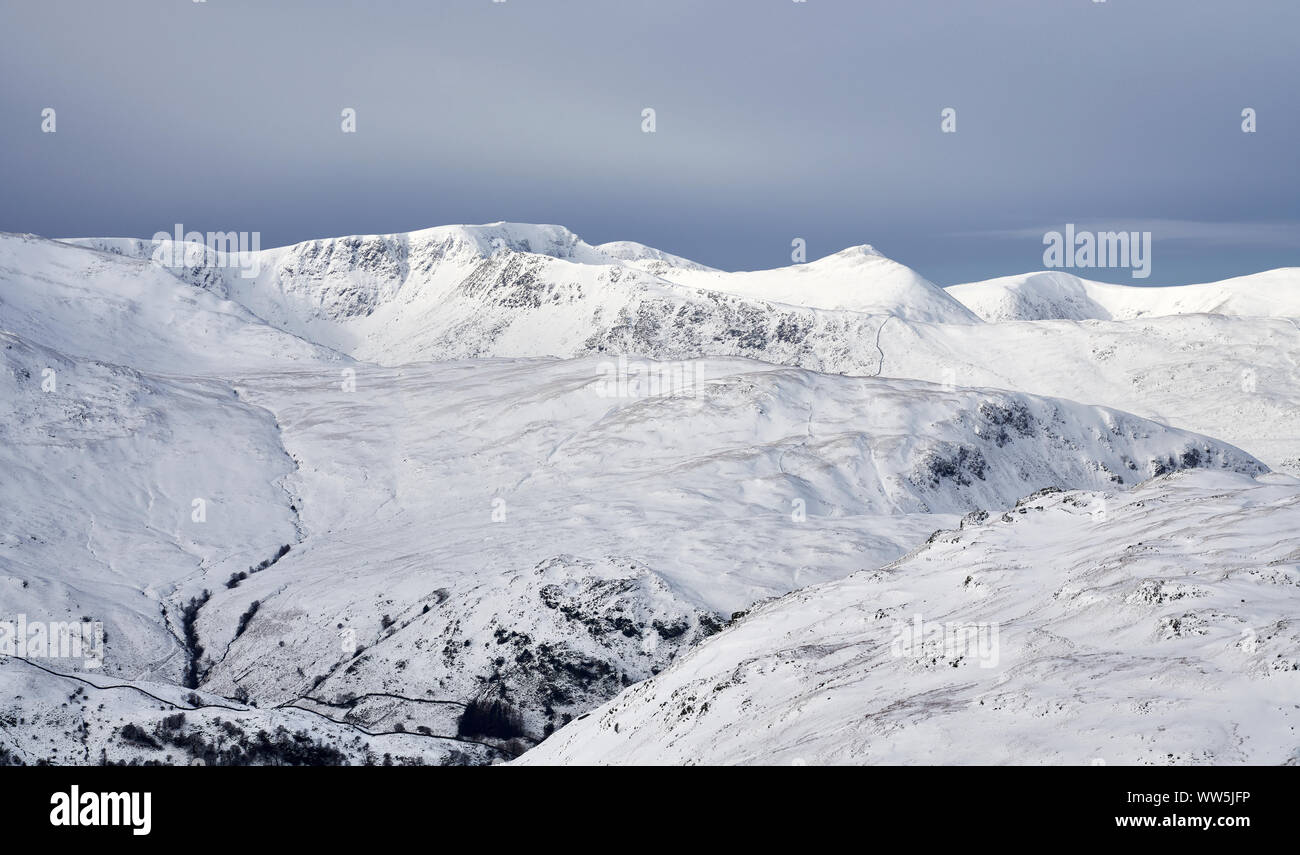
pixel 503 527
pixel 857 279
pixel 649 259
pixel 1156 627
pixel 528 519
pixel 1234 378
pixel 1056 295
pixel 510 289
pixel 516 290
pixel 477 485
pixel 102 466
pixel 118 309
pixel 85 719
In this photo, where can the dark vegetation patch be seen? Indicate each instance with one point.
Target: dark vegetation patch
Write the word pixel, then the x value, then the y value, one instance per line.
pixel 236 578
pixel 234 746
pixel 189 629
pixel 671 630
pixel 247 617
pixel 1190 458
pixel 1005 418
pixel 491 717
pixel 133 735
pixel 958 464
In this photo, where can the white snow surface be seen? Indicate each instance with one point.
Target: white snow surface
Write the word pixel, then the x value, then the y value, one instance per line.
pixel 478 503
pixel 1155 627
pixel 1057 295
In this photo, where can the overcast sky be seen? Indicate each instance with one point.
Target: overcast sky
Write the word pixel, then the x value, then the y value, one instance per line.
pixel 774 120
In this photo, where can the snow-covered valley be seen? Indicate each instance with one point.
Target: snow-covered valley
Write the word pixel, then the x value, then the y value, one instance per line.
pixel 481 491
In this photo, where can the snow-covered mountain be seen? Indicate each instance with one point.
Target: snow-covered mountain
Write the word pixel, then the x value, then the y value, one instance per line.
pixel 649 259
pixel 1234 378
pixel 857 279
pixel 507 289
pixel 467 503
pixel 1154 627
pixel 122 490
pixel 132 312
pixel 436 495
pixel 462 291
pixel 1057 295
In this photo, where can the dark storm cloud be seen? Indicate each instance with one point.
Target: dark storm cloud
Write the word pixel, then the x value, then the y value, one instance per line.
pixel 775 119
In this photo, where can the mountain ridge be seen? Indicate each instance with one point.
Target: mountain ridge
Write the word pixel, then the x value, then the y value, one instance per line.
pixel 1059 295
